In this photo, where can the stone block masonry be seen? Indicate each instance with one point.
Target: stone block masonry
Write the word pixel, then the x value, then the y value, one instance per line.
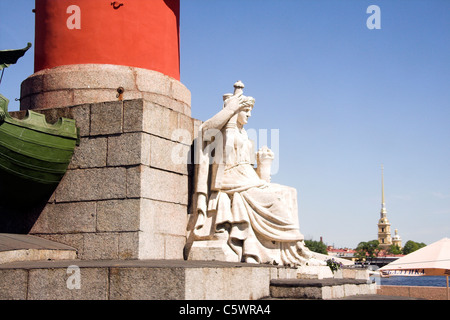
pixel 122 197
pixel 139 280
pixel 77 84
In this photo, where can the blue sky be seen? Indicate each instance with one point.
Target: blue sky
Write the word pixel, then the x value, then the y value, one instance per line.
pixel 344 98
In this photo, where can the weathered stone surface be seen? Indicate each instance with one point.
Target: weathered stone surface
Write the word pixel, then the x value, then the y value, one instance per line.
pixel 31 85
pixel 125 194
pixel 106 118
pixel 82 115
pixel 37 254
pixel 86 76
pixel 90 83
pixel 56 99
pixel 52 284
pixel 91 153
pixel 160 246
pixel 167 102
pixel 118 215
pixel 163 217
pixel 134 181
pixel 100 246
pixel 173 246
pixel 226 283
pixel 66 218
pixel 186 124
pixel 151 245
pixel 153 118
pixel 169 155
pixel 155 82
pixel 13 284
pixel 92 184
pixel 74 240
pixel 159 121
pixel 93 96
pixel 180 93
pixel 352 273
pixel 146 284
pixel 155 184
pixel 129 245
pixel 129 149
pixel 319 288
pixel 216 249
pixel 134 116
pixel 136 279
pixel 417 292
pixel 314 272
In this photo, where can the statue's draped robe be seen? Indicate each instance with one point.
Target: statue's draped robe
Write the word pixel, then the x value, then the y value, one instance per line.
pixel 261 216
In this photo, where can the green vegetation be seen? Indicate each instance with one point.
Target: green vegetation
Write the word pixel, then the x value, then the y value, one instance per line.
pixel 371 249
pixel 411 246
pixel 316 246
pixel 368 249
pixel 394 249
pixel 334 265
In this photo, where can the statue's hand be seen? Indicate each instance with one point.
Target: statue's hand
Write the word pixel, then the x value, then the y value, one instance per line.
pixel 233 103
pixel 265 153
pixel 201 211
pixel 264 158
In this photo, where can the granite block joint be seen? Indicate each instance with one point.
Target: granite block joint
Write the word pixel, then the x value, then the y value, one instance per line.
pixel 122 196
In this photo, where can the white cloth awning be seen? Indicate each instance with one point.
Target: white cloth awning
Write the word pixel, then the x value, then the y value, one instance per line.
pixel 432 260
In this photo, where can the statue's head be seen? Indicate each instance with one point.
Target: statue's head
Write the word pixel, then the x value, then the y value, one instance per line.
pixel 246 104
pixel 246 111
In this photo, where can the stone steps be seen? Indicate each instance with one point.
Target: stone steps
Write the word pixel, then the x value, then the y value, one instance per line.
pixel 137 280
pixel 329 288
pixel 22 247
pixel 36 268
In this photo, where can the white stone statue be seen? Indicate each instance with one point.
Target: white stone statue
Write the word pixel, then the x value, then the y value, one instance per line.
pixel 241 216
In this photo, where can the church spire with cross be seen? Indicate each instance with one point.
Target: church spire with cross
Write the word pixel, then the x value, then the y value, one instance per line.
pixel 384 227
pixel 383 203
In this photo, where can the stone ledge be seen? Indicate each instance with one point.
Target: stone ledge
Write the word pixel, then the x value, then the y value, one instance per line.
pixel 153 263
pixel 330 288
pixel 138 280
pixel 21 247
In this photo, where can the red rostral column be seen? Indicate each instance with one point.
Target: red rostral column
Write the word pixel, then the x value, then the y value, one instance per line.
pixel 90 51
pixel 136 33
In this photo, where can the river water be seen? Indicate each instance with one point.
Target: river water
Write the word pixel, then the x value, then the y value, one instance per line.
pixel 428 281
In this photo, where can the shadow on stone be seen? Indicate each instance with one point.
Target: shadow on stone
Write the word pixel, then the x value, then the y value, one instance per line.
pixel 21 205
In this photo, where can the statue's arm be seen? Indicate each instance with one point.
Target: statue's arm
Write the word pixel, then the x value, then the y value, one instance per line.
pixel 218 121
pixel 209 129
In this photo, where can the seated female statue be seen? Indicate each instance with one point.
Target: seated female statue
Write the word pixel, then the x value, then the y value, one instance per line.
pixel 240 213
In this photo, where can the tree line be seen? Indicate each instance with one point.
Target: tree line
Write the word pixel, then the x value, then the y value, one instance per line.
pixel 369 249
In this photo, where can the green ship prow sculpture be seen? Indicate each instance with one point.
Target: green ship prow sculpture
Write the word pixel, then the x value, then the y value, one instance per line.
pixel 34 155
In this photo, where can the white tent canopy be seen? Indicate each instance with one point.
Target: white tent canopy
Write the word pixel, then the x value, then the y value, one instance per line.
pixel 432 260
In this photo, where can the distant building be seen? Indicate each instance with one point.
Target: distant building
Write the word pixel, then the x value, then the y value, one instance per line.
pixel 384 227
pixel 343 253
pixel 396 240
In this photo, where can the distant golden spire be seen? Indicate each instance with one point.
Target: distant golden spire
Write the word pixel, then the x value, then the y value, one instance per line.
pixel 383 204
